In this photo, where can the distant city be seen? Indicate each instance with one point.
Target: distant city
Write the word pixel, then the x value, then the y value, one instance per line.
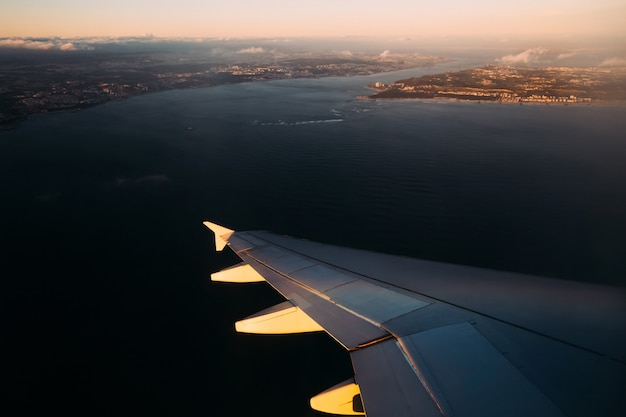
pixel 52 82
pixel 513 85
pixel 43 81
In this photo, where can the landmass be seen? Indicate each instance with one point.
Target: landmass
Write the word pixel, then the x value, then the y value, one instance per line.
pixel 512 85
pixel 40 81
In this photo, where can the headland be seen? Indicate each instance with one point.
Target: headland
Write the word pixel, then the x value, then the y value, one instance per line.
pixel 512 85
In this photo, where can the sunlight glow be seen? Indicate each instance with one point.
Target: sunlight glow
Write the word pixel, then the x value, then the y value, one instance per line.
pixel 323 18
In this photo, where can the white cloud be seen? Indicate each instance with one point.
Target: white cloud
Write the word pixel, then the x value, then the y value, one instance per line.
pixel 526 57
pixel 566 55
pixel 615 61
pixel 69 46
pixel 26 44
pixel 43 45
pixel 251 50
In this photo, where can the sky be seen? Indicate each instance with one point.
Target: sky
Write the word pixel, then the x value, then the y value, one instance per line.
pixel 319 18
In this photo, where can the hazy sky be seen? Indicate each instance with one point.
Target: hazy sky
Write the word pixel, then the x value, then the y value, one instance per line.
pixel 263 18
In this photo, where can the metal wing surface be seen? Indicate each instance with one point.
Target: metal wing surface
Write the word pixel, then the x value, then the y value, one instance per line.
pixel 435 339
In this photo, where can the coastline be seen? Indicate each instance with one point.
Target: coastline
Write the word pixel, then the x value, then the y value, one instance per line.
pixel 30 90
pixel 478 101
pixel 508 84
pixel 478 96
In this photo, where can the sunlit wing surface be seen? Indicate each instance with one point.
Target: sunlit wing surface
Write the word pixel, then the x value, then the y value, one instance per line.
pixel 435 339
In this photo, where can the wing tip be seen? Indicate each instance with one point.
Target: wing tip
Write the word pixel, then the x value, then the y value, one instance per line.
pixel 221 234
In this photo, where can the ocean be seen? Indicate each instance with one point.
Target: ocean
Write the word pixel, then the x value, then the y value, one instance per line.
pixel 107 303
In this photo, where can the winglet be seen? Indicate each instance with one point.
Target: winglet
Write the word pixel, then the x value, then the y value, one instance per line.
pixel 221 234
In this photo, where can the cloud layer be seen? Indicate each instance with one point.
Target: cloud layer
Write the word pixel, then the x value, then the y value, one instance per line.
pixel 615 61
pixel 528 56
pixel 251 50
pixel 53 44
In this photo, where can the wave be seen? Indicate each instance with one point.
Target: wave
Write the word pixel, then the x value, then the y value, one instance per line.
pixel 296 123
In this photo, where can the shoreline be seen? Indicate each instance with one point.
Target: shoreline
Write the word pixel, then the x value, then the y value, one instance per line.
pixel 16 122
pixel 519 103
pixel 510 84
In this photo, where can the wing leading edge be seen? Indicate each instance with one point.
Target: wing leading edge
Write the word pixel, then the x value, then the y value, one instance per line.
pixel 435 339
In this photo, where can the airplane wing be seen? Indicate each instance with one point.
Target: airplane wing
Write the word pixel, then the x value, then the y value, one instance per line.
pixel 435 339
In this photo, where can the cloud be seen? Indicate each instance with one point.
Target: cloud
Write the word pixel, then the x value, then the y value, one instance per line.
pixel 251 50
pixel 526 57
pixel 123 39
pixel 68 46
pixel 615 61
pixel 53 44
pixel 385 53
pixel 87 43
pixel 566 55
pixel 27 44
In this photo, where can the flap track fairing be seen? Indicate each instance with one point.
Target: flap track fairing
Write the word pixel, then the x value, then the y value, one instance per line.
pixel 342 399
pixel 240 273
pixel 283 318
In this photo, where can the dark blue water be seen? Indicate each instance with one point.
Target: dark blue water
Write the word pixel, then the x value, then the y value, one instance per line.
pixel 107 305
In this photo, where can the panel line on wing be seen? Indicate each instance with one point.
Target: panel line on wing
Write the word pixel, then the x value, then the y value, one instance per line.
pixel 460 358
pixel 345 327
pixel 424 376
pixel 370 302
pixel 314 291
